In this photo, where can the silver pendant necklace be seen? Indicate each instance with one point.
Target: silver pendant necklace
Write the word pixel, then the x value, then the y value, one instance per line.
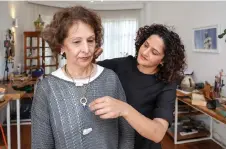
pixel 83 99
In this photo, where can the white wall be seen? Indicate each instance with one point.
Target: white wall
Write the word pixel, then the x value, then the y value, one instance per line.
pixel 97 5
pixel 146 14
pixel 185 16
pixel 5 24
pixel 118 13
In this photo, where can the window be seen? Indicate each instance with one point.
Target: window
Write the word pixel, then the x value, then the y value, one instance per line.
pixel 119 37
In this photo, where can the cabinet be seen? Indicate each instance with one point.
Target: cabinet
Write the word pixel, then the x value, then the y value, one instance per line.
pixel 37 54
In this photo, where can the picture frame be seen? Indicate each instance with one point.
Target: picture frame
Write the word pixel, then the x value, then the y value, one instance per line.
pixel 205 39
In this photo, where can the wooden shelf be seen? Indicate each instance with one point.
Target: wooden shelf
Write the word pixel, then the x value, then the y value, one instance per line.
pixel 33 48
pixel 31 67
pixel 200 134
pixel 32 33
pixel 27 96
pixel 2 146
pixel 190 114
pixel 48 56
pixel 51 65
pixel 36 57
pixel 203 109
pixel 183 106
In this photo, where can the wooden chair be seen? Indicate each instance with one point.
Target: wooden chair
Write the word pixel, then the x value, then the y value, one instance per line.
pixel 3 136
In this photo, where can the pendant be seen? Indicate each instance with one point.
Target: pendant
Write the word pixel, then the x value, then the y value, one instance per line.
pixel 83 101
pixel 86 131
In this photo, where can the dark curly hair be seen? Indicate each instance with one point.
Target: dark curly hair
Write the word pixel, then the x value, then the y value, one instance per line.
pixel 55 32
pixel 174 59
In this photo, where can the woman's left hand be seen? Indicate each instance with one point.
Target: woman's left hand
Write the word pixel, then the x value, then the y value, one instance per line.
pixel 108 107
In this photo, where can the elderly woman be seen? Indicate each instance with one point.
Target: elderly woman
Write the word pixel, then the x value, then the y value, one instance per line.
pixel 61 117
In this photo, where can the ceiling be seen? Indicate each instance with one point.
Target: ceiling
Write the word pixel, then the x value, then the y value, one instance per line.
pixel 96 5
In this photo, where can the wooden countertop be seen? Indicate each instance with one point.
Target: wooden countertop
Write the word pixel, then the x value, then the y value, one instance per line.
pixel 3 104
pixel 12 94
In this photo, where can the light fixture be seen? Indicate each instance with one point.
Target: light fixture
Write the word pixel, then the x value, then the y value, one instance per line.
pixel 15 22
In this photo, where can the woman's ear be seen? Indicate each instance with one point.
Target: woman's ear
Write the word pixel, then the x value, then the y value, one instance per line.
pixel 98 52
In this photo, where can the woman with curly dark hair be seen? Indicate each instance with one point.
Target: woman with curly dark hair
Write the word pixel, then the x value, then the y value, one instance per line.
pixel 61 118
pixel 149 81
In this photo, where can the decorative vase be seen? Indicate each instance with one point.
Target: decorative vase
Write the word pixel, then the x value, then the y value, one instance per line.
pixel 188 84
pixel 39 23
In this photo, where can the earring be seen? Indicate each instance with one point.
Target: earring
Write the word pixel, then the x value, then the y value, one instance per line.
pixel 161 64
pixel 61 51
pixel 63 55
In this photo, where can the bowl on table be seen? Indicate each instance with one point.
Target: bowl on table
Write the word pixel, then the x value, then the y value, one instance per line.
pixel 2 94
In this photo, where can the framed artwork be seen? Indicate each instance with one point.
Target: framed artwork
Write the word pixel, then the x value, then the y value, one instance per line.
pixel 205 39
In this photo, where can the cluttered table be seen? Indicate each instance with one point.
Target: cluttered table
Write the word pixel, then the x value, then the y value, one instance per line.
pixel 10 94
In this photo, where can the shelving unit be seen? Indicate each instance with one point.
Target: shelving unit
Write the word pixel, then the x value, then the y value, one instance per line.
pixel 200 134
pixel 37 54
pixel 184 110
pixel 190 111
pixel 31 51
pixel 203 134
pixel 189 114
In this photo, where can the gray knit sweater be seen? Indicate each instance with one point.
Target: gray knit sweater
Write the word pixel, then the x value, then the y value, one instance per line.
pixel 58 118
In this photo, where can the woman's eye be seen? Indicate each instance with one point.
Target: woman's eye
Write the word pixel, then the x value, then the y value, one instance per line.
pixel 90 41
pixel 76 42
pixel 155 53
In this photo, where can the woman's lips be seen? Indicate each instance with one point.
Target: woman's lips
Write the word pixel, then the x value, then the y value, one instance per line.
pixel 85 58
pixel 143 58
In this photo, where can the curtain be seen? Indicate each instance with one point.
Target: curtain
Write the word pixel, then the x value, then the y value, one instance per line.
pixel 119 37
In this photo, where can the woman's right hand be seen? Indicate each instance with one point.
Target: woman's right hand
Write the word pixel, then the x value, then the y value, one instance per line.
pixel 98 52
pixel 107 107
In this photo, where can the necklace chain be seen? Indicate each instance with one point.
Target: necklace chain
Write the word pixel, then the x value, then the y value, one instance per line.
pixel 83 99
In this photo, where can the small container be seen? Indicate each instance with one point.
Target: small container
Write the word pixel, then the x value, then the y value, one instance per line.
pixel 2 94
